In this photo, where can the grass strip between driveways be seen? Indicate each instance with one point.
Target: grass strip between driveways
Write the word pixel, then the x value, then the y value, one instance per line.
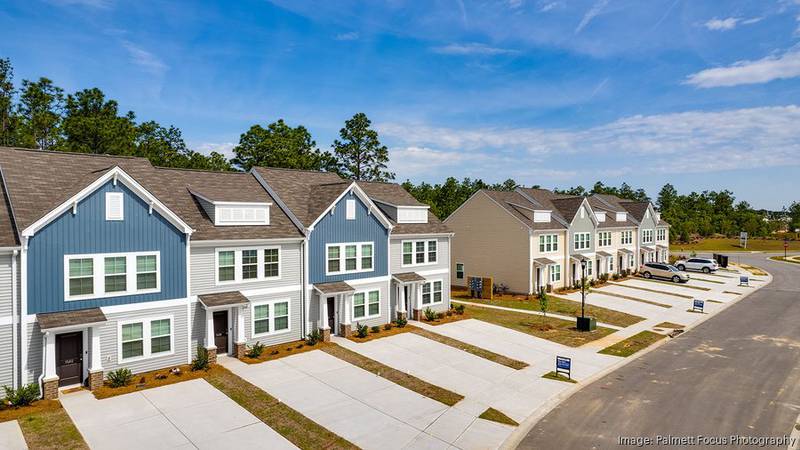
pixel 731 292
pixel 496 416
pixel 552 375
pixel 295 427
pixel 781 258
pixel 670 283
pixel 632 344
pixel 472 349
pixel 403 379
pixel 655 291
pixel 558 305
pixel 46 425
pixel 753 270
pixel 550 328
pixel 672 325
pixel 635 299
pixel 706 280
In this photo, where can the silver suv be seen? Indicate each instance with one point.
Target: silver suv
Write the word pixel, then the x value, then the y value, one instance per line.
pixel 705 265
pixel 660 270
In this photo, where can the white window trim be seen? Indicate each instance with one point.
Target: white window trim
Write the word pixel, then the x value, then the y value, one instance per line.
pixel 99 275
pixel 661 234
pixel 463 271
pixel 366 304
pixel 237 265
pixel 350 209
pixel 121 197
pixel 146 338
pixel 647 236
pixel 342 258
pixel 626 238
pixel 430 282
pixel 272 331
pixel 414 253
pixel 588 241
pixel 543 243
pixel 601 242
pixel 218 206
pixel 553 272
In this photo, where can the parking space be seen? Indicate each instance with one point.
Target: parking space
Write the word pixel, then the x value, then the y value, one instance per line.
pixel 364 408
pixel 192 414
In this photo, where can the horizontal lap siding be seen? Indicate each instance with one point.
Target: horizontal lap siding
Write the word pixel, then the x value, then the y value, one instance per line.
pixel 203 266
pixel 109 340
pixel 5 285
pixel 35 341
pixel 6 357
pixel 295 311
pixel 385 302
pixel 442 256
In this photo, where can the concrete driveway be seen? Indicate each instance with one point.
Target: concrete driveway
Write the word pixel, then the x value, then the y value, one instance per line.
pixel 11 437
pixel 187 415
pixel 365 409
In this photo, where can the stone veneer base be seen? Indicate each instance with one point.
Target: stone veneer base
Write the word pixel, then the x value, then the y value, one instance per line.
pixel 326 335
pixel 212 355
pixel 239 349
pixel 50 388
pixel 95 379
pixel 344 330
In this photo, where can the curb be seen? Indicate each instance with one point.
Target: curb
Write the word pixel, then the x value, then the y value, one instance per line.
pixel 527 425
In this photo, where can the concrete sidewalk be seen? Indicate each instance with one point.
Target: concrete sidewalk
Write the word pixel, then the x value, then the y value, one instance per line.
pixel 11 437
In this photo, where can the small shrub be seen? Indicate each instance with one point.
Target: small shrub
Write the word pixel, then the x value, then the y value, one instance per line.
pixel 255 350
pixel 459 309
pixel 313 338
pixel 440 315
pixel 375 329
pixel 274 352
pixel 201 361
pixel 361 330
pixel 430 315
pixel 22 396
pixel 615 277
pixel 120 377
pixel 387 326
pixel 543 302
pixel 161 376
pixel 449 312
pixel 401 322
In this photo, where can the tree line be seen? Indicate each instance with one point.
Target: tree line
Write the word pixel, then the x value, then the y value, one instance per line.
pixel 38 114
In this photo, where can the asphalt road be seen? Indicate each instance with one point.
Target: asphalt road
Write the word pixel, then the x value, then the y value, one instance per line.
pixel 737 373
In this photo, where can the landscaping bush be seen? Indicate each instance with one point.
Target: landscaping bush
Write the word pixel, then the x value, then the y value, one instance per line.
pixel 361 330
pixel 440 315
pixel 459 308
pixel 201 361
pixel 375 329
pixel 430 315
pixel 387 326
pixel 255 350
pixel 401 322
pixel 313 338
pixel 615 277
pixel 543 301
pixel 120 377
pixel 449 312
pixel 22 396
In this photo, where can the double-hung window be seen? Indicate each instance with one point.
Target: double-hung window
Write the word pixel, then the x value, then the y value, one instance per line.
pixel 548 243
pixel 661 234
pixel 366 304
pixel 146 338
pixel 604 238
pixel 583 241
pixel 270 317
pixel 420 252
pixel 358 257
pixel 555 273
pixel 460 271
pixel 627 237
pixel 110 275
pixel 432 292
pixel 248 264
pixel 647 236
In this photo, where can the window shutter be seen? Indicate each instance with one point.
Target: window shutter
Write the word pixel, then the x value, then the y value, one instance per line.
pixel 351 209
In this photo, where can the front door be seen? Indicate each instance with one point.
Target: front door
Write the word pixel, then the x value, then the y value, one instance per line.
pixel 69 358
pixel 331 312
pixel 619 266
pixel 538 279
pixel 221 331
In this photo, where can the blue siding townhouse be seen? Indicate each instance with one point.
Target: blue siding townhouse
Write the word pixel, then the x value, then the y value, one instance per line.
pixel 109 262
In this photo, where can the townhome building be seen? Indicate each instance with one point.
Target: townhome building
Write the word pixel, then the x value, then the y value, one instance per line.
pixel 365 241
pixel 528 239
pixel 108 262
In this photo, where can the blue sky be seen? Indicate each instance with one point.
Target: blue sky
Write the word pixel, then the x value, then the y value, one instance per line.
pixel 702 94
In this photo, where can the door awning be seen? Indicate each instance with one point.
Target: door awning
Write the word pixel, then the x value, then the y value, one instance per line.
pixel 408 277
pixel 579 257
pixel 70 319
pixel 648 249
pixel 604 254
pixel 543 261
pixel 625 251
pixel 335 287
pixel 222 299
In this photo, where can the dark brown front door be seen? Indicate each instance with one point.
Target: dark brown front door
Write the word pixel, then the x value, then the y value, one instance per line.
pixel 331 313
pixel 69 358
pixel 221 331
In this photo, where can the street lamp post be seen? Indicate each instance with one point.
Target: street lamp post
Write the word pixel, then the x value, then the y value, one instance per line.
pixel 583 287
pixel 584 323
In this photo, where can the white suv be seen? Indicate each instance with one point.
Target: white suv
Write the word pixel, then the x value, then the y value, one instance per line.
pixel 705 265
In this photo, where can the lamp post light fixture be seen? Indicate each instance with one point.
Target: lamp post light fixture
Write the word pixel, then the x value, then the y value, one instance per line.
pixel 584 323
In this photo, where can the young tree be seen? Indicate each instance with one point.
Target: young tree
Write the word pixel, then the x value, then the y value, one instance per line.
pixel 8 119
pixel 92 125
pixel 280 145
pixel 359 152
pixel 543 301
pixel 39 109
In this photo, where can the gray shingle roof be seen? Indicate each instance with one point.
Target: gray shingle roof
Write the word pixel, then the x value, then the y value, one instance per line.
pixel 522 208
pixel 61 319
pixel 395 194
pixel 295 187
pixel 223 299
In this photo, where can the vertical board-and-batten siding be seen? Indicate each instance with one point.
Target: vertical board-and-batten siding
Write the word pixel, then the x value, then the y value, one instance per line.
pixel 203 266
pixel 335 228
pixel 490 243
pixel 88 232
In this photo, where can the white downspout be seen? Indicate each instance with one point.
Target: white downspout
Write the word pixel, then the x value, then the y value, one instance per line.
pixel 23 315
pixel 189 317
pixel 305 297
pixel 14 320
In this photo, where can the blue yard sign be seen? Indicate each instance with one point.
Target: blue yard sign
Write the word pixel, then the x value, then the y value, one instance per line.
pixel 564 365
pixel 698 305
pixel 744 280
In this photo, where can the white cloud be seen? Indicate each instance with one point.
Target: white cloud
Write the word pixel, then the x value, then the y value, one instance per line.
pixel 593 12
pixel 722 24
pixel 764 70
pixel 473 48
pixel 514 4
pixel 548 6
pixel 712 141
pixel 225 148
pixel 144 59
pixel 349 36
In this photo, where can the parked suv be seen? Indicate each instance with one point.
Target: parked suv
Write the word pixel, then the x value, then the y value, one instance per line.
pixel 660 270
pixel 706 265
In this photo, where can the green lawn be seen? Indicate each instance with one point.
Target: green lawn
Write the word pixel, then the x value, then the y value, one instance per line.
pixel 732 245
pixel 552 375
pixel 556 305
pixel 789 259
pixel 633 344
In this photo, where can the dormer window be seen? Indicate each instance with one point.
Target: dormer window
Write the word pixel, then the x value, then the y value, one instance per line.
pixel 600 216
pixel 412 214
pixel 541 216
pixel 114 206
pixel 622 217
pixel 241 214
